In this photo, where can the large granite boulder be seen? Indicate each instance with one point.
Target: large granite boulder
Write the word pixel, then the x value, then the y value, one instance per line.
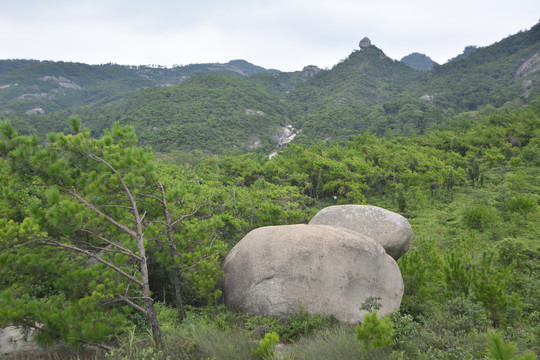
pixel 328 270
pixel 389 229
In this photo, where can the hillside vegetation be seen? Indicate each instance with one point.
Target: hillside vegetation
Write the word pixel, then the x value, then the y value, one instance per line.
pixel 367 91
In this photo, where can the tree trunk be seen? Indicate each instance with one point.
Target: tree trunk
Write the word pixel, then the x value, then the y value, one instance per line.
pixel 178 294
pixel 148 301
pixel 394 187
pixel 379 190
pixel 152 317
pixel 174 251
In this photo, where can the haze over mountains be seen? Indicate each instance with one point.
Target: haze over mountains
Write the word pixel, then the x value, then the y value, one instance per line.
pixel 243 107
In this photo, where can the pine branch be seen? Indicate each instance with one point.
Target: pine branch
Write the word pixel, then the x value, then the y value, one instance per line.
pixel 126 189
pixel 123 250
pixel 132 304
pixel 17 246
pixel 109 219
pixel 52 242
pixel 181 218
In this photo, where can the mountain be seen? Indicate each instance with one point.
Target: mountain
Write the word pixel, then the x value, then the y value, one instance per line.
pixel 335 104
pixel 208 112
pixel 370 92
pixel 239 106
pixel 37 87
pixel 365 77
pixel 496 74
pixel 418 61
pixel 45 86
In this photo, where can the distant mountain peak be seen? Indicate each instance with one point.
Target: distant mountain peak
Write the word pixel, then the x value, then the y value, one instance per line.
pixel 418 61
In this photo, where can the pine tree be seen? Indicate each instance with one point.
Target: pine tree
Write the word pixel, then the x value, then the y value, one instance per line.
pixel 90 206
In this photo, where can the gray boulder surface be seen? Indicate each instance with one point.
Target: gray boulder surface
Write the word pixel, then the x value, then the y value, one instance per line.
pixel 389 229
pixel 365 43
pixel 327 270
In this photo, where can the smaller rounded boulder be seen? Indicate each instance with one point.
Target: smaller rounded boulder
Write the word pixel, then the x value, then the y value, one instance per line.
pixel 389 229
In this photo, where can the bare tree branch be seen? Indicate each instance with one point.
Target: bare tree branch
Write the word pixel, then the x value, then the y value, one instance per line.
pixel 131 304
pixel 123 250
pixel 52 242
pixel 124 185
pixel 119 225
pixel 17 246
pixel 181 218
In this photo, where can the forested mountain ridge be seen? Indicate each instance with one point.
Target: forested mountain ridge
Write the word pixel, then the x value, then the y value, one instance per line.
pixel 367 91
pixel 32 86
pixel 210 113
pixel 366 76
pixel 205 113
pixel 495 74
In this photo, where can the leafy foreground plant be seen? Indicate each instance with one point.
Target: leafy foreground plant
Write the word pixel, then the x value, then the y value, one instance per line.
pixel 374 332
pixel 267 346
pixel 498 349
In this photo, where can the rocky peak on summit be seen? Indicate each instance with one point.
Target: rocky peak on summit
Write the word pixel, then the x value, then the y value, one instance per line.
pixel 365 43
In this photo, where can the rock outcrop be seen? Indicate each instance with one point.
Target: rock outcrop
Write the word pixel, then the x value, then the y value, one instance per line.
pixel 365 43
pixel 310 71
pixel 35 111
pixel 528 74
pixel 389 229
pixel 62 81
pixel 325 269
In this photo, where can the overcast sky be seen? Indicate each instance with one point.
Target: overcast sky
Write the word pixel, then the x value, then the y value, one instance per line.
pixel 280 34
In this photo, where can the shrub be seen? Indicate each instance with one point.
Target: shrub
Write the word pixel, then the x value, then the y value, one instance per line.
pixel 498 349
pixel 374 332
pixel 521 204
pixel 478 217
pixel 267 346
pixel 302 324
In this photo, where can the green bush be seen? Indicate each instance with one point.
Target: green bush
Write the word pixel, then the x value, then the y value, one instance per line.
pixel 521 204
pixel 478 217
pixel 338 342
pixel 498 349
pixel 267 346
pixel 302 324
pixel 374 332
pixel 291 328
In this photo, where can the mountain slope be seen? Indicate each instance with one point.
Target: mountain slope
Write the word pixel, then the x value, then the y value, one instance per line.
pixel 370 92
pixel 336 104
pixel 31 86
pixel 490 75
pixel 208 112
pixel 366 76
pixel 367 91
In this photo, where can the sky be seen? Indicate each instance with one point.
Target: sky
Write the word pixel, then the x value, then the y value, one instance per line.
pixel 279 34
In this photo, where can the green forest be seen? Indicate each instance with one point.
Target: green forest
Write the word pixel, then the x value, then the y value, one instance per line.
pixel 118 213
